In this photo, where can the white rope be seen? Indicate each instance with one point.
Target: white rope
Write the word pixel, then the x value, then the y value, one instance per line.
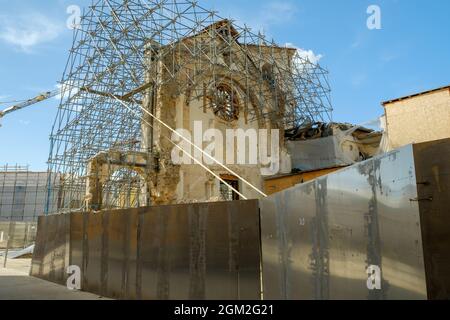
pixel 182 137
pixel 187 153
pixel 196 147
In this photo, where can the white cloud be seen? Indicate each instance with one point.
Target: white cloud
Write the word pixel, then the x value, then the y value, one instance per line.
pixel 26 31
pixel 309 55
pixel 67 90
pixel 306 54
pixel 374 124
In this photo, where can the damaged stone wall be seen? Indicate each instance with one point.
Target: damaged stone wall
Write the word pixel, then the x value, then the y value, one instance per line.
pixel 256 77
pixel 181 110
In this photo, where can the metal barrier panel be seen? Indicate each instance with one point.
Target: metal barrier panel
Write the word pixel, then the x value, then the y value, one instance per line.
pixel 433 183
pixel 51 254
pixel 320 238
pixel 193 251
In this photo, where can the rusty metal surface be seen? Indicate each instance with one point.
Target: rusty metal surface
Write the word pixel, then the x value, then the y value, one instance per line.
pixel 433 177
pixel 92 252
pixel 119 270
pixel 194 251
pixel 51 255
pixel 76 240
pixel 39 249
pixel 319 238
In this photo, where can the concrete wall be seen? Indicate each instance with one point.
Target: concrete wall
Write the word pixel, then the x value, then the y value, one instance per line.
pixel 343 148
pixel 419 118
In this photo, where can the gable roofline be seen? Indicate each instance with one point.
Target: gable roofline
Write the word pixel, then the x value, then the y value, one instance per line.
pixel 415 95
pixel 274 46
pixel 222 24
pixel 228 24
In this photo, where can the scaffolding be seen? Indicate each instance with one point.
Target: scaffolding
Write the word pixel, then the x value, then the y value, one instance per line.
pixel 22 201
pixel 127 54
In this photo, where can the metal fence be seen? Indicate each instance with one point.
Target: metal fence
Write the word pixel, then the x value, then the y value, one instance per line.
pixel 22 201
pixel 19 234
pixel 192 251
pixel 377 230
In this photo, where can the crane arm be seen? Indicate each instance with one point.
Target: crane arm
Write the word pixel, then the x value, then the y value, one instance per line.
pixel 39 98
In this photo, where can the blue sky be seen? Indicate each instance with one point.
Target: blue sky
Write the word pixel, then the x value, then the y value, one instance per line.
pixel 410 53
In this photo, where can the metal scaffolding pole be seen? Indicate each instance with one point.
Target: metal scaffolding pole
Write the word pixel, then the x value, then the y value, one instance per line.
pixel 127 52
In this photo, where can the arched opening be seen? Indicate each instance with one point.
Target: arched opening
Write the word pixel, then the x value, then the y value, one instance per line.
pixel 125 188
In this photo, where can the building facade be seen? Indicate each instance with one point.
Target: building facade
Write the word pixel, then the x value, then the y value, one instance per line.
pixel 240 96
pixel 417 118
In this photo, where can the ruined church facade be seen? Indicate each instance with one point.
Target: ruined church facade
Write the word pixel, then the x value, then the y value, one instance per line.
pixel 234 89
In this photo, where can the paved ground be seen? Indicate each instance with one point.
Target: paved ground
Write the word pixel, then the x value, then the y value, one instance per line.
pixel 16 284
